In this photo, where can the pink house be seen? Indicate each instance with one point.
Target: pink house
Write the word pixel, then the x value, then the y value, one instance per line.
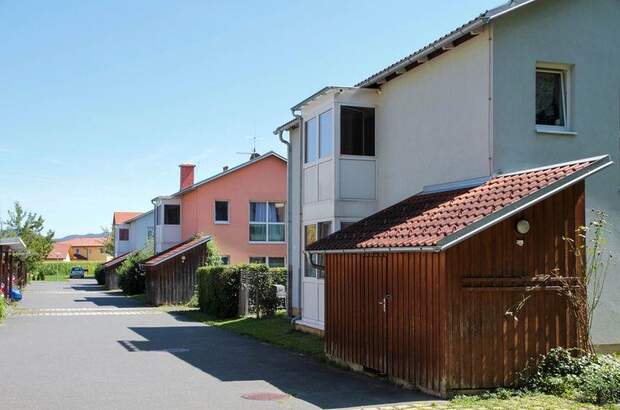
pixel 241 208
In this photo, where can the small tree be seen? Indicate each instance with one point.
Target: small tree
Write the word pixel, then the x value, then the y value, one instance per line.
pixel 583 293
pixel 108 245
pixel 29 226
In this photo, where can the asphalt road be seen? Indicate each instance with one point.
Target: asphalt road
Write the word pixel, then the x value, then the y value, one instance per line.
pixel 72 345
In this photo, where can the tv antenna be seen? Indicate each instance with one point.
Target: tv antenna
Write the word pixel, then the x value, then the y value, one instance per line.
pixel 252 154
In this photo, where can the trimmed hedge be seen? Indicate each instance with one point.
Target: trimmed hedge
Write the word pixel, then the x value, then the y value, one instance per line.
pixel 62 269
pixel 100 274
pixel 218 288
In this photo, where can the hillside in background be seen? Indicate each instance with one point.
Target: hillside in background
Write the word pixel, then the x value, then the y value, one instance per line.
pixel 88 235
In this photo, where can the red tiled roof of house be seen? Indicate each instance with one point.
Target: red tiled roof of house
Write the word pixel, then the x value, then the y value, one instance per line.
pixel 85 242
pixel 122 217
pixel 426 218
pixel 176 250
pixel 112 263
pixel 59 251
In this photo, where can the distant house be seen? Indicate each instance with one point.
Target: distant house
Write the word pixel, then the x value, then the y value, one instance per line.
pixel 79 249
pixel 241 208
pixel 132 231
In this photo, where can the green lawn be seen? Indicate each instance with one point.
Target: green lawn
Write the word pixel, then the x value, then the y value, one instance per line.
pixel 276 330
pixel 525 401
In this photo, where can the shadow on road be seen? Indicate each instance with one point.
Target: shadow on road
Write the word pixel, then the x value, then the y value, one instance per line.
pixel 230 358
pixel 87 288
pixel 113 298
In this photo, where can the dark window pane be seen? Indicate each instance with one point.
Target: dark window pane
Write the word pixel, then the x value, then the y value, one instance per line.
pixel 324 229
pixel 257 259
pixel 258 232
pixel 123 234
pixel 258 212
pixel 221 211
pixel 172 214
pixel 225 260
pixel 312 136
pixel 357 131
pixel 276 212
pixel 276 232
pixel 549 99
pixel 276 262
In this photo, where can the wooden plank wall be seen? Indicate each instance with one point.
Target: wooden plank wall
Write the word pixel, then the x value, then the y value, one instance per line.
pixel 487 348
pixel 174 281
pixel 406 342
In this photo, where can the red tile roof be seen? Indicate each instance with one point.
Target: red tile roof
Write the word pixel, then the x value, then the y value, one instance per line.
pixel 176 250
pixel 122 217
pixel 59 252
pixel 85 242
pixel 426 218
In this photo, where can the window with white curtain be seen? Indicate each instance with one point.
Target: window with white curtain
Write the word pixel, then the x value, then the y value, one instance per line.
pixel 267 222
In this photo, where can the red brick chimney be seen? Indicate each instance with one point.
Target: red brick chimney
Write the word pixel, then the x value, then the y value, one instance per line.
pixel 187 175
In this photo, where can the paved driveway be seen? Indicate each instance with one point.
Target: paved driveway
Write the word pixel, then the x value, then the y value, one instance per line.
pixel 74 346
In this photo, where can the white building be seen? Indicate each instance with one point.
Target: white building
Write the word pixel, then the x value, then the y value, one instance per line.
pixel 530 83
pixel 132 231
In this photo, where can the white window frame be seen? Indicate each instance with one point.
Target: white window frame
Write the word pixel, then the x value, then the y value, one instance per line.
pixel 318 139
pixel 268 258
pixel 316 227
pixel 267 223
pixel 565 83
pixel 350 156
pixel 215 220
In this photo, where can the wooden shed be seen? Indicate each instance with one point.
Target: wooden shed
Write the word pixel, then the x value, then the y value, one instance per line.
pixel 109 269
pixel 12 268
pixel 170 276
pixel 419 291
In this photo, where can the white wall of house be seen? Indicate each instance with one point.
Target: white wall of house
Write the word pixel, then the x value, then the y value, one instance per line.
pixel 166 235
pixel 139 230
pixel 294 235
pixel 121 247
pixel 432 126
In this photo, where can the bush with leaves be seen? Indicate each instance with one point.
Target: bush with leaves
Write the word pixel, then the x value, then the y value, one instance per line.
pixel 2 307
pixel 100 274
pixel 130 274
pixel 218 290
pixel 262 291
pixel 576 375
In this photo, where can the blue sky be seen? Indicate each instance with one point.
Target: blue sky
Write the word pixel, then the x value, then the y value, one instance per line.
pixel 102 100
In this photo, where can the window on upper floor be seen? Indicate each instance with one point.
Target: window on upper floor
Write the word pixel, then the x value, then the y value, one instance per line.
pixel 172 214
pixel 267 222
pixel 357 131
pixel 123 234
pixel 319 137
pixel 552 98
pixel 221 212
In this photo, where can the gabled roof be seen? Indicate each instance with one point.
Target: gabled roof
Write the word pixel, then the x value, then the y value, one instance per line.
pixel 229 171
pixel 121 217
pixel 176 250
pixel 112 263
pixel 85 242
pixel 60 251
pixel 436 221
pixel 443 43
pixel 142 215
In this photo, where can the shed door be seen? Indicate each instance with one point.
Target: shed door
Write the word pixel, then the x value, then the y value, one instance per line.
pixel 376 306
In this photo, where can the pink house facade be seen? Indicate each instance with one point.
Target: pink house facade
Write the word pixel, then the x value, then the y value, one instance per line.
pixel 242 208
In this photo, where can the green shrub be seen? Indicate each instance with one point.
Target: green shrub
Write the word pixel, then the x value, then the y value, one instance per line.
pixel 262 294
pixel 600 382
pixel 279 275
pixel 218 290
pixel 100 274
pixel 575 375
pixel 2 307
pixel 130 275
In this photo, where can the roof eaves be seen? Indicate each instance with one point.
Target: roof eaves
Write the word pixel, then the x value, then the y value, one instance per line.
pixel 506 212
pixel 204 240
pixel 292 124
pixel 466 29
pixel 142 215
pixel 319 93
pixel 221 174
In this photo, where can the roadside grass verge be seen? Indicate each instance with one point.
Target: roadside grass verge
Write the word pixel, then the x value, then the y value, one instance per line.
pixel 275 330
pixel 520 401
